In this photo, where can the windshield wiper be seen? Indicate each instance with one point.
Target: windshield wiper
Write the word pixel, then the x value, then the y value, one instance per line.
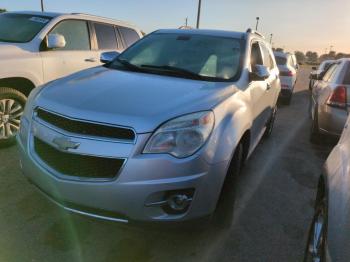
pixel 128 65
pixel 176 70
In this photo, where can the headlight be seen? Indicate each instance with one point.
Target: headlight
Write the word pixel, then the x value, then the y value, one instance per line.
pixel 182 136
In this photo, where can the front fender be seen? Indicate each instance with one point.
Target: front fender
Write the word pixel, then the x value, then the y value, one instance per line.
pixel 232 119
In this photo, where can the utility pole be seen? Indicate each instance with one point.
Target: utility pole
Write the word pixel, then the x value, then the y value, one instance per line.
pixel 199 12
pixel 42 5
pixel 271 38
pixel 257 23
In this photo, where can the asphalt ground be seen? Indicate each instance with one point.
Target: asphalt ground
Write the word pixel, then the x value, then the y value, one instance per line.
pixel 265 218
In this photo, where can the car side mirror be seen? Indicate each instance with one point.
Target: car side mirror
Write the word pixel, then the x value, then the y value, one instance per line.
pixel 55 41
pixel 108 57
pixel 260 73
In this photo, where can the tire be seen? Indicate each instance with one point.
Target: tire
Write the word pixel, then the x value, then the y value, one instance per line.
pixel 270 124
pixel 12 104
pixel 315 135
pixel 223 215
pixel 315 247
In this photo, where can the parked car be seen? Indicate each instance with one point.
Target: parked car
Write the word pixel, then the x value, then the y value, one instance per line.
pixel 154 134
pixel 318 71
pixel 329 238
pixel 330 101
pixel 288 67
pixel 38 47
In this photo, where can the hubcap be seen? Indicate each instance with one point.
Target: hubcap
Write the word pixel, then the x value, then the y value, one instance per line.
pixel 317 238
pixel 10 115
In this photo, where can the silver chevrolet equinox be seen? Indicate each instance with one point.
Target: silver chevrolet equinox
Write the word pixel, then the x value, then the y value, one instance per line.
pixel 154 134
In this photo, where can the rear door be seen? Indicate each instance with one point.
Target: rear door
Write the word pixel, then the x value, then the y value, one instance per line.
pixel 75 56
pixel 273 82
pixel 107 38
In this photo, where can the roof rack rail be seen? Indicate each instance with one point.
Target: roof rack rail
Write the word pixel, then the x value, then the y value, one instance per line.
pixel 251 31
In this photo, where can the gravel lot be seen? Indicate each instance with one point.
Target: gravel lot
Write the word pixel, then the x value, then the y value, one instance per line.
pixel 268 220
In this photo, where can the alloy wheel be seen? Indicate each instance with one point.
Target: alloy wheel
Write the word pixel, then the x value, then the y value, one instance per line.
pixel 10 115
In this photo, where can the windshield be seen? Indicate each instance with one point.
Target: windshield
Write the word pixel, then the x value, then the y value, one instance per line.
pixel 207 57
pixel 281 60
pixel 20 28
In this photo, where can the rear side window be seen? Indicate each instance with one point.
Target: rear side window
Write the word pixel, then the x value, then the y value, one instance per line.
pixel 75 32
pixel 281 60
pixel 130 35
pixel 106 37
pixel 329 72
pixel 346 80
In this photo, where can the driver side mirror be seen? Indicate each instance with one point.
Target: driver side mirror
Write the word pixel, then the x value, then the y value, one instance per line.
pixel 108 57
pixel 55 41
pixel 260 73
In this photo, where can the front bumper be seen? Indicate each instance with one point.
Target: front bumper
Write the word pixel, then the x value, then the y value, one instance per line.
pixel 143 179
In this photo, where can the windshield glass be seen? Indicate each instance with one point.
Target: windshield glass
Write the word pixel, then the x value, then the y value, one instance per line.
pixel 20 28
pixel 208 57
pixel 281 60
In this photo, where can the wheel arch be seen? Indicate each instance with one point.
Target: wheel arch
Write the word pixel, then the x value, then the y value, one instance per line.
pixel 21 84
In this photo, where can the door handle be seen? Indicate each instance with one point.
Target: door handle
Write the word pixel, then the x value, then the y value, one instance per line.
pixel 92 59
pixel 268 87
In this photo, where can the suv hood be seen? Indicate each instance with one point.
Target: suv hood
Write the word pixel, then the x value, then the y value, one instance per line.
pixel 138 100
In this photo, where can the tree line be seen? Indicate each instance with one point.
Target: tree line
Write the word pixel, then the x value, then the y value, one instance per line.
pixel 313 57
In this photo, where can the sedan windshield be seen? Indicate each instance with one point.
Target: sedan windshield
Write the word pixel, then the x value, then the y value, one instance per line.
pixel 20 28
pixel 281 60
pixel 200 57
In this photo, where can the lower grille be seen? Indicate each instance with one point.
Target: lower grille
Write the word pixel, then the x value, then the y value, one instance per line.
pixel 77 165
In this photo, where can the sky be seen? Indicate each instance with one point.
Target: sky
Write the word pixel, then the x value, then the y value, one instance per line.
pixel 303 25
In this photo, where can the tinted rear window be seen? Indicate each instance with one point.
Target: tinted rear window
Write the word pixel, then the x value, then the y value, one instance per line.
pixel 130 35
pixel 281 60
pixel 106 37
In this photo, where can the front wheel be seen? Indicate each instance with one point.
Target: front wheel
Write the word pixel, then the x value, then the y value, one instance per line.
pixel 11 109
pixel 315 248
pixel 223 215
pixel 270 123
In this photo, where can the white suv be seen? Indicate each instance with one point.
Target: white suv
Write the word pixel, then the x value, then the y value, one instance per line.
pixel 36 48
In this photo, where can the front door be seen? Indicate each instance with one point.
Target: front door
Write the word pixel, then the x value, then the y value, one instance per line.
pixel 75 56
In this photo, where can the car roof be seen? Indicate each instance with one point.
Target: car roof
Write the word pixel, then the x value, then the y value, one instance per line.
pixel 211 32
pixel 80 15
pixel 49 14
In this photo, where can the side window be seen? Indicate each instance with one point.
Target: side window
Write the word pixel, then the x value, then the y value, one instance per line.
pixel 268 61
pixel 346 80
pixel 106 37
pixel 329 72
pixel 130 35
pixel 75 32
pixel 255 56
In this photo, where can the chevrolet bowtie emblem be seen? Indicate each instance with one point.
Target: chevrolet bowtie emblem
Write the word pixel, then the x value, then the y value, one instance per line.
pixel 65 143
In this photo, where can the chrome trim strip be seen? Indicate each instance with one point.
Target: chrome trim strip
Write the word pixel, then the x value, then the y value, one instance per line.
pixel 39 120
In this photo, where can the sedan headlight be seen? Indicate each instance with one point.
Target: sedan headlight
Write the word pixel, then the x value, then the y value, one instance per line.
pixel 182 136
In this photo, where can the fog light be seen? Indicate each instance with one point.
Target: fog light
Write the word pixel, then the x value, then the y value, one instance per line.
pixel 179 202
